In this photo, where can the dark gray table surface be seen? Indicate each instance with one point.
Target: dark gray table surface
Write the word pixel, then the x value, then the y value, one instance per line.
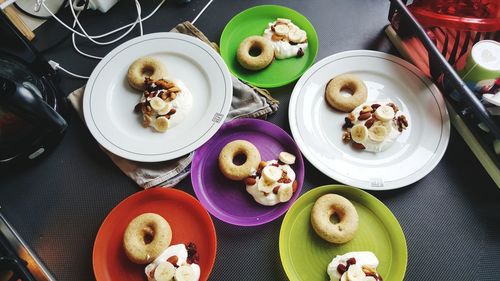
pixel 451 217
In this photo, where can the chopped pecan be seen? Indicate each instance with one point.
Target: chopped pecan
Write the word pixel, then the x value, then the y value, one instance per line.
pixel 162 83
pixel 394 107
pixel 346 137
pixel 402 123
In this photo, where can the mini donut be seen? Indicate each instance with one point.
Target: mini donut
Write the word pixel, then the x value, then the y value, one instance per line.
pixel 146 237
pixel 233 149
pixel 142 68
pixel 345 103
pixel 258 44
pixel 324 208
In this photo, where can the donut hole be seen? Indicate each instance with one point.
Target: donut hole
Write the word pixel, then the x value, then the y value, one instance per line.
pixel 347 91
pixel 148 235
pixel 239 159
pixel 147 71
pixel 255 51
pixel 334 218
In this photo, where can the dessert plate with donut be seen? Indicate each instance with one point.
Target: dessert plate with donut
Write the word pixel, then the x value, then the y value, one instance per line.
pixel 249 173
pixel 157 97
pixel 156 234
pixel 338 233
pixel 369 120
pixel 269 46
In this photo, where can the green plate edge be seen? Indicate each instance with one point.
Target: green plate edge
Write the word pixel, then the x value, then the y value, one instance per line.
pixel 397 268
pixel 228 50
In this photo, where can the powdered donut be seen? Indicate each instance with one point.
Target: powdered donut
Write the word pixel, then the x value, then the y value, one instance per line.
pixel 142 68
pixel 341 102
pixel 328 205
pixel 233 149
pixel 260 45
pixel 146 237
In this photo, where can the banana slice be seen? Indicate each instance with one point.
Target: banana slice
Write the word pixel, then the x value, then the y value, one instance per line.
pixel 185 273
pixel 355 273
pixel 377 133
pixel 161 124
pixel 359 133
pixel 344 277
pixel 387 124
pixel 287 158
pixel 369 278
pixel 271 174
pixel 384 113
pixel 157 103
pixel 283 20
pixel 281 29
pixel 297 35
pixel 166 109
pixel 164 271
pixel 285 193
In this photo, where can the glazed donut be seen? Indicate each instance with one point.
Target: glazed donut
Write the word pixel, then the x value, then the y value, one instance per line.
pixel 345 103
pixel 328 205
pixel 233 149
pixel 142 68
pixel 260 45
pixel 146 237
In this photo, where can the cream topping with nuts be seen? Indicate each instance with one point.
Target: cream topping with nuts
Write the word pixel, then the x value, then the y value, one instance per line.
pixel 274 182
pixel 165 104
pixel 288 39
pixel 374 126
pixel 177 256
pixel 354 266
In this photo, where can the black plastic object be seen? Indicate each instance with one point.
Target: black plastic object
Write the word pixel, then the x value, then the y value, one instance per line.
pixel 29 100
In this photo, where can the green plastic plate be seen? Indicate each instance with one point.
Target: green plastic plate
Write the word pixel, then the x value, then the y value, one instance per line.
pixel 253 21
pixel 305 256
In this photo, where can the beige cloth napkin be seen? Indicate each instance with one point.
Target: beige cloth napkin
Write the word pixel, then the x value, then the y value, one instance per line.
pixel 247 102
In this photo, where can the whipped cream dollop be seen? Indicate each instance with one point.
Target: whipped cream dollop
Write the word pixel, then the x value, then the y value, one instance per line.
pixel 172 105
pixel 177 256
pixel 272 183
pixel 354 266
pixel 375 125
pixel 287 38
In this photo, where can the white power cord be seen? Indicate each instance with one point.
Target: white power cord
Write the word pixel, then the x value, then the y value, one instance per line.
pixel 56 66
pixel 139 21
pixel 83 30
pixel 202 10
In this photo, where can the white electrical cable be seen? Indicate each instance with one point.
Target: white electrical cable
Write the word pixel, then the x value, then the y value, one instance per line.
pixel 73 40
pixel 86 35
pixel 72 74
pixel 201 12
pixel 125 26
pixel 138 7
pixel 108 33
pixel 56 66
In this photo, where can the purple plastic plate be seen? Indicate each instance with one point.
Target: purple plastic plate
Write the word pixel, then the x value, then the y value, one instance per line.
pixel 228 200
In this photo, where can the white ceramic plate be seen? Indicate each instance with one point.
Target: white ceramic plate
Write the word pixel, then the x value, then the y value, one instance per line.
pixel 108 102
pixel 316 127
